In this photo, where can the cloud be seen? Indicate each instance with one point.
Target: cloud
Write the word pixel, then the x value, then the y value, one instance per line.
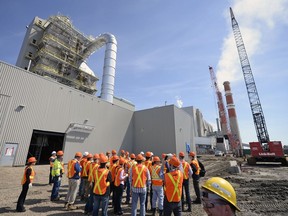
pixel 257 18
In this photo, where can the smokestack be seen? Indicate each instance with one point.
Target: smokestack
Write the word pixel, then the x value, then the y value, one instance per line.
pixel 232 113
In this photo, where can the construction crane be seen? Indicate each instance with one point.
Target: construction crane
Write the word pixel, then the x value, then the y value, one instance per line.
pixel 223 115
pixel 264 149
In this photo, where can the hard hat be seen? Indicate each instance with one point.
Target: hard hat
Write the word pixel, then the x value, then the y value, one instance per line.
pixel 89 155
pixel 163 155
pixel 114 151
pixel 122 151
pixel 78 154
pixel 96 156
pixel 115 157
pixel 156 158
pixel 139 157
pixel 142 153
pixel 60 153
pixel 121 161
pixel 102 158
pixel 174 161
pixel 85 154
pixel 169 155
pixel 132 156
pixel 192 154
pixel 32 160
pixel 127 153
pixel 181 154
pixel 148 154
pixel 53 152
pixel 222 188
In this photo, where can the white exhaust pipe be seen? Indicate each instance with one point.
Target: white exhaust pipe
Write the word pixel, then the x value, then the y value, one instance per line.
pixel 108 79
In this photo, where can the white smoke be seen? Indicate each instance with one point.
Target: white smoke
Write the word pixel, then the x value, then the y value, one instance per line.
pixel 255 18
pixel 179 102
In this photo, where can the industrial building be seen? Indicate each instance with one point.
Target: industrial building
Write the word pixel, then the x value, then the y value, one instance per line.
pixel 48 102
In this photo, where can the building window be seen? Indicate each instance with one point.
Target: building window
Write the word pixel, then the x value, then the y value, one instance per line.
pixel 34 41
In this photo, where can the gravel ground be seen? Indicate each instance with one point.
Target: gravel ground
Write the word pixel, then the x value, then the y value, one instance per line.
pixel 261 190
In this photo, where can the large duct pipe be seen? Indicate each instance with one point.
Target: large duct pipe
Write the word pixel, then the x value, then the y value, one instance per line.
pixel 108 79
pixel 232 113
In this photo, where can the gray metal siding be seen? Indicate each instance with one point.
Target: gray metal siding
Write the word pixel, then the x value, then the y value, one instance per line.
pixel 51 106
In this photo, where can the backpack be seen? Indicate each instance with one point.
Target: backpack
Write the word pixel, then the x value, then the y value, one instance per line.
pixel 202 170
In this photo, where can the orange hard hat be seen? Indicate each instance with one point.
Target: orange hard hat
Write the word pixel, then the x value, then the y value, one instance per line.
pixel 132 156
pixel 32 160
pixel 163 155
pixel 121 161
pixel 174 161
pixel 78 154
pixel 139 157
pixel 96 156
pixel 192 154
pixel 60 153
pixel 102 158
pixel 114 151
pixel 122 151
pixel 156 158
pixel 181 154
pixel 89 155
pixel 115 157
pixel 127 153
pixel 148 154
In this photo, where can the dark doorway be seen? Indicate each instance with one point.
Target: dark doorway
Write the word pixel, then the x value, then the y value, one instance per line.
pixel 43 143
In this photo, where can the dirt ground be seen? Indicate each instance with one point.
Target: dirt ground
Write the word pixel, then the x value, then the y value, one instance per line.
pixel 261 190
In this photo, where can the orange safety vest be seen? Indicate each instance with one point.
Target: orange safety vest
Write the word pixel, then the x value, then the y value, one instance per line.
pixel 31 177
pixel 85 168
pixel 100 176
pixel 129 164
pixel 196 164
pixel 71 168
pixel 186 166
pixel 117 176
pixel 156 180
pixel 148 164
pixel 93 167
pixel 139 176
pixel 173 185
pixel 83 160
pixel 113 171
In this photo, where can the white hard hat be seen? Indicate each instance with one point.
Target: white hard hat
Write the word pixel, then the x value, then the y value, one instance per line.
pixel 152 154
pixel 142 153
pixel 53 152
pixel 85 153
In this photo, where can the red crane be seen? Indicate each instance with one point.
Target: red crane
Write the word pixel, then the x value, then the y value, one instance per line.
pixel 225 126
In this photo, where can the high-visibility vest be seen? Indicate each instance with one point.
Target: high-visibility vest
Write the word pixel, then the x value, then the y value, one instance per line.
pixel 129 164
pixel 173 185
pixel 113 171
pixel 31 177
pixel 186 166
pixel 196 164
pixel 148 164
pixel 139 176
pixel 82 161
pixel 71 168
pixel 117 176
pixel 52 159
pixel 57 168
pixel 156 180
pixel 85 168
pixel 93 167
pixel 100 184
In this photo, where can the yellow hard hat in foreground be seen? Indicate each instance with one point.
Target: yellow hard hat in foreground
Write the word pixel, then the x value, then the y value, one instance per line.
pixel 222 188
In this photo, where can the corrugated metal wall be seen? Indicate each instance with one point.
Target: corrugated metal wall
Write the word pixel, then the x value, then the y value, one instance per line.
pixel 42 104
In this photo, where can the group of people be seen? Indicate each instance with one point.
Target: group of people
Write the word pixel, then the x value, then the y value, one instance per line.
pixel 99 177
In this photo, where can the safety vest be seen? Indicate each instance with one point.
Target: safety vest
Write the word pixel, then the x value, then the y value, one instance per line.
pixel 196 164
pixel 186 166
pixel 57 168
pixel 129 164
pixel 71 168
pixel 82 161
pixel 148 164
pixel 139 176
pixel 113 171
pixel 173 185
pixel 117 176
pixel 52 159
pixel 156 180
pixel 93 167
pixel 85 168
pixel 31 177
pixel 100 184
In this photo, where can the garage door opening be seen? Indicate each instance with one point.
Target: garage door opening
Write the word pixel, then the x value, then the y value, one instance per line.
pixel 43 143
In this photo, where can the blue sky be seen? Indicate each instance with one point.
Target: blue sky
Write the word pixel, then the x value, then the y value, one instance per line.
pixel 165 48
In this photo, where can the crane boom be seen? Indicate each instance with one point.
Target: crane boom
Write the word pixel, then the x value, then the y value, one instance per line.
pixel 256 108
